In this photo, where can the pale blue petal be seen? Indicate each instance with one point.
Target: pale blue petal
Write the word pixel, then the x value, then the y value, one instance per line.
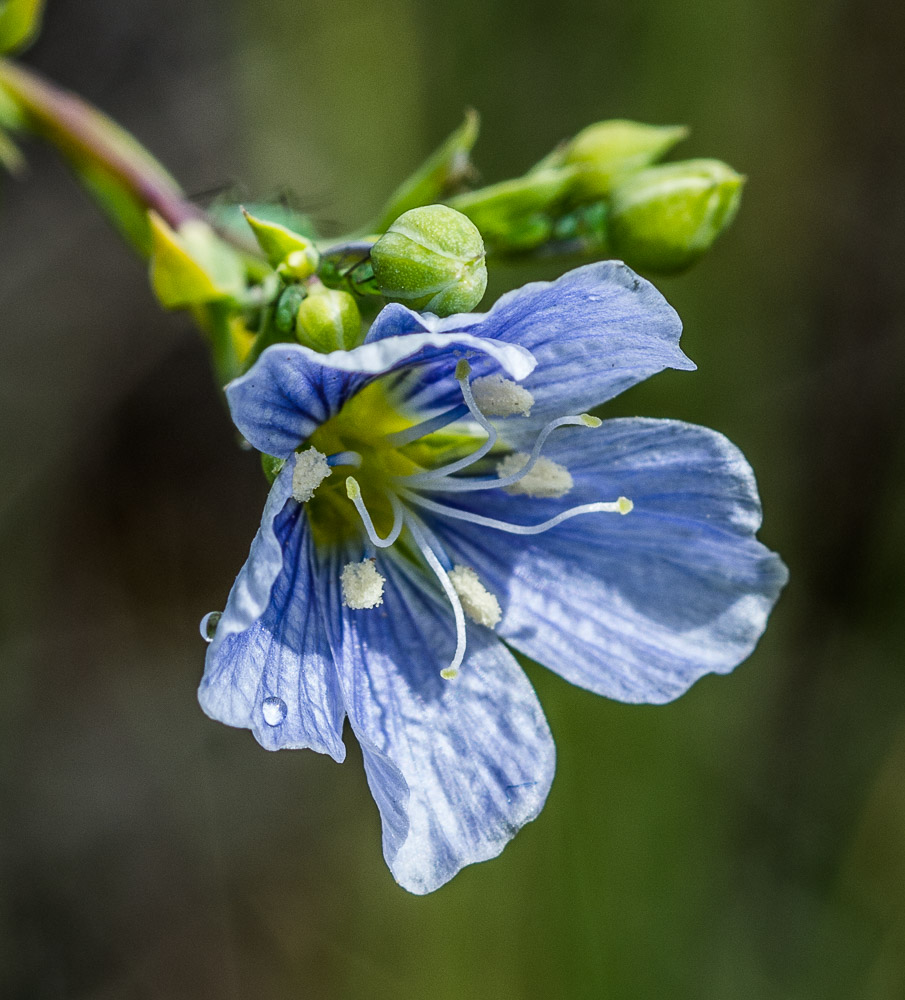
pixel 595 332
pixel 291 390
pixel 634 607
pixel 456 767
pixel 269 668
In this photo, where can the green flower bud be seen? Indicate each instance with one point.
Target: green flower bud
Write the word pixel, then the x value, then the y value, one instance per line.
pixel 664 218
pixel 328 320
pixel 604 151
pixel 293 256
pixel 20 22
pixel 431 258
pixel 513 214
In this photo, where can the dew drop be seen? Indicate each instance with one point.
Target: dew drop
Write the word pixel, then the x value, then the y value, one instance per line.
pixel 208 625
pixel 274 710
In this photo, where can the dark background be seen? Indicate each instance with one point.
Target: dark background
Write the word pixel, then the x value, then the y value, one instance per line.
pixel 746 841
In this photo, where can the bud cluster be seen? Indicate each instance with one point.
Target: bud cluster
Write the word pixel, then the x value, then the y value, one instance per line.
pixel 602 193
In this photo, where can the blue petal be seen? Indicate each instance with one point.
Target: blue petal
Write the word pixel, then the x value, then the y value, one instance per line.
pixel 635 607
pixel 595 332
pixel 291 390
pixel 456 767
pixel 269 667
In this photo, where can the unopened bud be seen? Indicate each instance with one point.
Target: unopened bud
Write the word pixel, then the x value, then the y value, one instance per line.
pixel 517 214
pixel 292 255
pixel 20 22
pixel 664 218
pixel 431 258
pixel 607 150
pixel 328 320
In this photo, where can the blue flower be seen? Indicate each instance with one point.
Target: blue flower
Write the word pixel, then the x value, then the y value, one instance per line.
pixel 445 497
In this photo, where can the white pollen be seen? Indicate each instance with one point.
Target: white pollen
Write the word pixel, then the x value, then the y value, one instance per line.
pixel 310 471
pixel 362 585
pixel 477 602
pixel 546 478
pixel 496 396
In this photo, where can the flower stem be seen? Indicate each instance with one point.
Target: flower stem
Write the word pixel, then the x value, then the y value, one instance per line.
pixel 91 141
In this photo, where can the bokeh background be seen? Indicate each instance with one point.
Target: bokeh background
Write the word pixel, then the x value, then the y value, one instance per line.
pixel 745 841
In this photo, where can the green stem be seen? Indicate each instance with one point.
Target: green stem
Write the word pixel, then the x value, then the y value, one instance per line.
pixel 85 136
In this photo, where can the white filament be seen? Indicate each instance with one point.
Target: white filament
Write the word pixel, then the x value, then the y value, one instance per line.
pixel 463 369
pixel 353 491
pixel 420 534
pixel 621 506
pixel 437 479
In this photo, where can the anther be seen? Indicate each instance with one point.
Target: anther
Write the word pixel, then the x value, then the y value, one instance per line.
pixel 311 469
pixel 497 396
pixel 362 585
pixel 546 478
pixel 477 602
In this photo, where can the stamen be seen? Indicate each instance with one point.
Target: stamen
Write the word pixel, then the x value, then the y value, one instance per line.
pixel 547 479
pixel 353 491
pixel 497 396
pixel 463 370
pixel 621 506
pixel 418 431
pixel 311 469
pixel 479 604
pixel 434 481
pixel 344 458
pixel 362 585
pixel 420 534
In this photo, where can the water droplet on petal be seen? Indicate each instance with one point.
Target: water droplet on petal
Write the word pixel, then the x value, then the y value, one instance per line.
pixel 274 710
pixel 208 625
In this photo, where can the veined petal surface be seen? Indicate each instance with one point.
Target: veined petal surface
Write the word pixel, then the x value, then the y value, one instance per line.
pixel 271 670
pixel 456 767
pixel 291 390
pixel 634 607
pixel 595 332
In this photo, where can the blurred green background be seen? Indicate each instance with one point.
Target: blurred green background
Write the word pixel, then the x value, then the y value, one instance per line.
pixel 745 841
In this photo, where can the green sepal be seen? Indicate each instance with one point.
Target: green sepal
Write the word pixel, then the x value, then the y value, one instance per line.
pixel 228 217
pixel 664 218
pixel 20 22
pixel 192 266
pixel 272 466
pixel 292 254
pixel 288 307
pixel 440 174
pixel 517 214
